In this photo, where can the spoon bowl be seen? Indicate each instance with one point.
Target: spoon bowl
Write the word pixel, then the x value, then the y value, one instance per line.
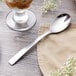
pixel 61 23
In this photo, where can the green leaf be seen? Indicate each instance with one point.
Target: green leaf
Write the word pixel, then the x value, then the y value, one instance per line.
pixel 49 5
pixel 67 70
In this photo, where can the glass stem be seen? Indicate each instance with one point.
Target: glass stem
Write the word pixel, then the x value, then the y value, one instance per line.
pixel 20 16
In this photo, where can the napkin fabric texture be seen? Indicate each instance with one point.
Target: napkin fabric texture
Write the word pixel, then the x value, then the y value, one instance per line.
pixel 54 49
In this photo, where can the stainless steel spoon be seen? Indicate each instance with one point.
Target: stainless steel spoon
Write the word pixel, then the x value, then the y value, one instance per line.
pixel 61 23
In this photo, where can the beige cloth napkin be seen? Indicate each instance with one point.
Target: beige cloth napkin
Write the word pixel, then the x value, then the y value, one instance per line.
pixel 54 50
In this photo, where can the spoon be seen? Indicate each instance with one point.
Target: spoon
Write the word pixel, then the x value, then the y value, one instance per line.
pixel 61 23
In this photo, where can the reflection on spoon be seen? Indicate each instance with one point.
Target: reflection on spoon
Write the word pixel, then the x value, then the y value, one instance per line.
pixel 61 23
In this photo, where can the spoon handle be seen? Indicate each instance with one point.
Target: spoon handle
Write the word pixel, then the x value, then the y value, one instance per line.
pixel 15 58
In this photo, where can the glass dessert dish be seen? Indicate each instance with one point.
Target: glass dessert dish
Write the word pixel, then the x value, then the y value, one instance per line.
pixel 20 19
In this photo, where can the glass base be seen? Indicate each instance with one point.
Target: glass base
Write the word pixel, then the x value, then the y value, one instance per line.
pixel 23 26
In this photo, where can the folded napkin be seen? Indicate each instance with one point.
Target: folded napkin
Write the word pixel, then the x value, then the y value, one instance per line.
pixel 54 49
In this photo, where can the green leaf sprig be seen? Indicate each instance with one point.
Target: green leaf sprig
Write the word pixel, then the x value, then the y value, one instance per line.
pixel 67 70
pixel 49 5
